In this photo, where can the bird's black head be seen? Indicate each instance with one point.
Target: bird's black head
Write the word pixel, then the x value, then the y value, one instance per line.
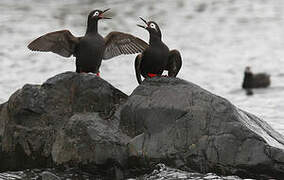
pixel 93 18
pixel 98 14
pixel 248 70
pixel 152 28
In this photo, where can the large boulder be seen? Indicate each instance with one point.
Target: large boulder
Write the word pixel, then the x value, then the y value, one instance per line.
pixel 80 120
pixel 178 123
pixel 34 116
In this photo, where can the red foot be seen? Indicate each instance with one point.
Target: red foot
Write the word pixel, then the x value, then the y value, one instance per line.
pixel 152 75
pixel 97 74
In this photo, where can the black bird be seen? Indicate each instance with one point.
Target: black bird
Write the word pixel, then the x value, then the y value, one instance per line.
pixel 259 80
pixel 157 57
pixel 90 49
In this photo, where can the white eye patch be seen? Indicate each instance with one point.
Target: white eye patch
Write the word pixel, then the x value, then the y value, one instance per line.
pixel 152 25
pixel 96 13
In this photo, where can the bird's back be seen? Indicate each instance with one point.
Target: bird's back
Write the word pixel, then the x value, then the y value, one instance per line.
pixel 155 58
pixel 261 80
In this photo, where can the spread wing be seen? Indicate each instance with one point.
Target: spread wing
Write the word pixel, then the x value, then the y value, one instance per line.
pixel 174 63
pixel 138 68
pixel 59 42
pixel 118 43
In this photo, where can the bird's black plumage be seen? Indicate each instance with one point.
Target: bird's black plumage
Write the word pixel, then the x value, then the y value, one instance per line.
pixel 251 80
pixel 157 57
pixel 90 49
pixel 258 80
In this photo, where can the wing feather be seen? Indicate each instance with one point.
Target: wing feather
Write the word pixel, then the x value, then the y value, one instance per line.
pixel 174 63
pixel 59 42
pixel 128 49
pixel 138 68
pixel 118 43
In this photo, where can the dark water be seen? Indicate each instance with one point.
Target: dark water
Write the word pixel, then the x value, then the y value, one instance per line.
pixel 217 39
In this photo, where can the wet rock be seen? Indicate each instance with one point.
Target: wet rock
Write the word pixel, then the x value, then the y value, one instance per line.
pixel 178 123
pixel 33 116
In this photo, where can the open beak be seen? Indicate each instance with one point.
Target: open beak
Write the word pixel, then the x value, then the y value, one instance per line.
pixel 103 17
pixel 145 27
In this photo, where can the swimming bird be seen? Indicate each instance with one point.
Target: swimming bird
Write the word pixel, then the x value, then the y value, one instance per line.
pixel 91 48
pixel 156 57
pixel 259 80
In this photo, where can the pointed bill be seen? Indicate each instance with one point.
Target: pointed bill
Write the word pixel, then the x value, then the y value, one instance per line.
pixel 103 17
pixel 145 27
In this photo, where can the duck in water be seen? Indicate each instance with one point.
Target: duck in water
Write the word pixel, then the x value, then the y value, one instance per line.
pixel 259 80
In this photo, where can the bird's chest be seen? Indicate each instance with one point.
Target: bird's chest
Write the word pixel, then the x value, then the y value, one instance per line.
pixel 91 47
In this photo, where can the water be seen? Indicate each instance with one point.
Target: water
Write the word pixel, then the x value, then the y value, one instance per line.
pixel 161 172
pixel 217 40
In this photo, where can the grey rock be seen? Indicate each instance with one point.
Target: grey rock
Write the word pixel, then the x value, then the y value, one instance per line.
pixel 3 119
pixel 33 116
pixel 87 138
pixel 178 123
pixel 81 121
pixel 93 144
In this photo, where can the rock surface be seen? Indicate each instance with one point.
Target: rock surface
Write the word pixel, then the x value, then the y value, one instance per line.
pixel 87 140
pixel 81 121
pixel 34 116
pixel 182 125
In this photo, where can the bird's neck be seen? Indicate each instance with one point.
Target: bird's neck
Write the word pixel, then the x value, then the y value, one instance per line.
pixel 248 74
pixel 92 26
pixel 155 39
pixel 248 77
